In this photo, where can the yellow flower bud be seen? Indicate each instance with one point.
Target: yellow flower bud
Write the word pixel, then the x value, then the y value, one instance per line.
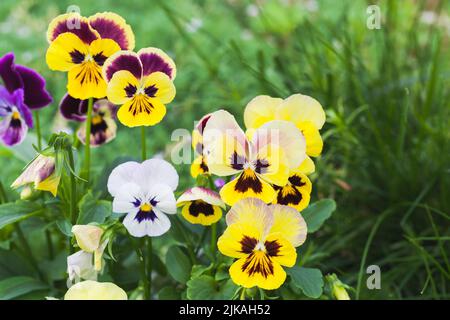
pixel 88 237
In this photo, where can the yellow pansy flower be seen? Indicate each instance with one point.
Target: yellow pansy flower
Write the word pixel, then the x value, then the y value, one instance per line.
pixel 199 165
pixel 201 206
pixel 93 290
pixel 80 46
pixel 296 193
pixel 142 83
pixel 266 158
pixel 263 239
pixel 304 111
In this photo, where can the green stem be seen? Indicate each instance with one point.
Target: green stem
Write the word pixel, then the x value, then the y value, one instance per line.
pixel 38 130
pixel 242 296
pixel 213 241
pixel 143 144
pixel 149 261
pixel 87 143
pixel 141 259
pixel 73 189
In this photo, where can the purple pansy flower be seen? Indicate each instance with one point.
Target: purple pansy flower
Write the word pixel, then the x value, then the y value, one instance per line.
pixel 103 125
pixel 23 89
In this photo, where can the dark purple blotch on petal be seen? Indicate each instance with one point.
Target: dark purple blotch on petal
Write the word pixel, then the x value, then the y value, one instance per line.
pixel 76 56
pixel 145 216
pixel 72 108
pixel 130 90
pixel 151 91
pixel 74 24
pixel 152 62
pixel 109 29
pixel 124 62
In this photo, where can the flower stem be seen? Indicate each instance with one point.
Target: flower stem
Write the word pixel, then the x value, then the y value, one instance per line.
pixel 38 130
pixel 213 241
pixel 73 189
pixel 242 296
pixel 87 142
pixel 141 259
pixel 143 144
pixel 149 262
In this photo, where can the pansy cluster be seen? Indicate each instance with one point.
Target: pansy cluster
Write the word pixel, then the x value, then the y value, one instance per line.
pixel 257 175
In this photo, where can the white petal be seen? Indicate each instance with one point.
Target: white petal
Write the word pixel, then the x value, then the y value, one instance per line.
pixel 80 265
pixel 163 194
pixel 120 175
pixel 200 193
pixel 125 197
pixel 133 226
pixel 159 226
pixel 156 171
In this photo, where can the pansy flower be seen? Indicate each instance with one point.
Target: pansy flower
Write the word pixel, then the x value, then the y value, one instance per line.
pixel 199 166
pixel 263 239
pixel 93 290
pixel 80 46
pixel 142 83
pixel 103 125
pixel 40 172
pixel 296 192
pixel 145 192
pixel 201 206
pixel 23 89
pixel 265 159
pixel 304 111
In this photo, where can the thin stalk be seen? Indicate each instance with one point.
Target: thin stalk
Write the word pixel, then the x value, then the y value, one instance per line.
pixel 242 296
pixel 73 189
pixel 149 262
pixel 38 130
pixel 213 241
pixel 143 144
pixel 141 260
pixel 87 143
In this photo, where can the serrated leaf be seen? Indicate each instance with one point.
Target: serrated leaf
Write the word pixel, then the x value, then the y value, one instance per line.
pixel 17 211
pixel 14 287
pixel 93 210
pixel 316 214
pixel 178 264
pixel 309 280
pixel 206 288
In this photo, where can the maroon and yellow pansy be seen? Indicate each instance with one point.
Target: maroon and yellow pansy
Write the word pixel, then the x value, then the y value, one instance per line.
pixel 142 83
pixel 80 46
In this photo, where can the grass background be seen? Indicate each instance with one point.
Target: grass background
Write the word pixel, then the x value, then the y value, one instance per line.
pixel 386 94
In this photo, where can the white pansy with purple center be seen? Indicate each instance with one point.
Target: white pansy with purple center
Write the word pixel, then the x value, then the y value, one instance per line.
pixel 145 192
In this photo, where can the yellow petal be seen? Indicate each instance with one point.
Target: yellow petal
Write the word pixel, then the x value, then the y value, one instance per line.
pixel 50 184
pixel 200 212
pixel 299 108
pixel 246 185
pixel 101 49
pixel 296 193
pixel 86 81
pixel 257 270
pixel 93 290
pixel 271 163
pixel 122 87
pixel 65 52
pixel 260 110
pixel 238 240
pixel 280 249
pixel 307 166
pixel 141 111
pixel 165 90
pixel 314 143
pixel 289 223
pixel 199 166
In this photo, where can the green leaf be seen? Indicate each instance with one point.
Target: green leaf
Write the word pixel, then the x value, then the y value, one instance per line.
pixel 65 227
pixel 309 280
pixel 169 293
pixel 316 214
pixel 206 288
pixel 178 264
pixel 14 287
pixel 93 210
pixel 17 211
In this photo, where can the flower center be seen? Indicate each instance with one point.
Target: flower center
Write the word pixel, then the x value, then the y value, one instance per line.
pixel 96 119
pixel 146 207
pixel 16 115
pixel 260 247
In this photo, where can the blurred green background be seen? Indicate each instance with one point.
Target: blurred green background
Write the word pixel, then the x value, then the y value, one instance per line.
pixel 386 94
